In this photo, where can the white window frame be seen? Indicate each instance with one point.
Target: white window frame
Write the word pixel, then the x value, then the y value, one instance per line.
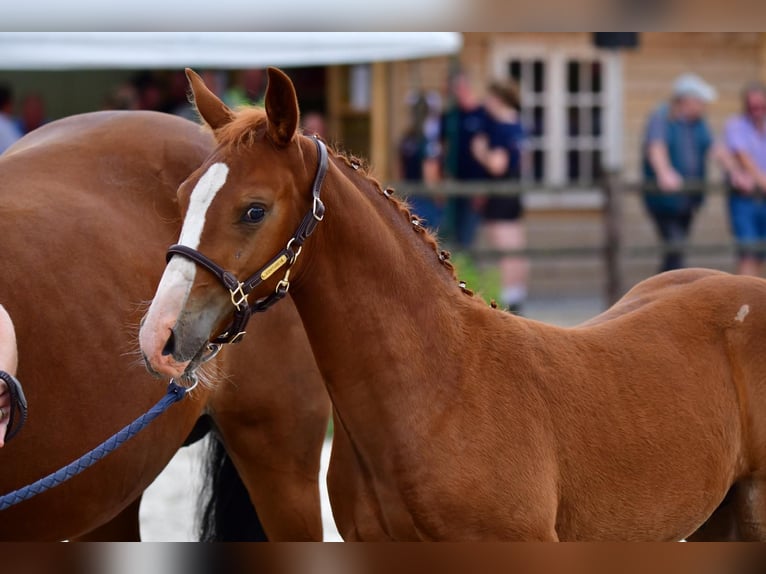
pixel 555 136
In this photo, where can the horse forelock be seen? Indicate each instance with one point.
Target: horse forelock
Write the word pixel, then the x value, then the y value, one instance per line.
pixel 248 126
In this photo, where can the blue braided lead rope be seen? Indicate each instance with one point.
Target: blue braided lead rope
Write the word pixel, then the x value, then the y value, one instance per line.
pixel 175 393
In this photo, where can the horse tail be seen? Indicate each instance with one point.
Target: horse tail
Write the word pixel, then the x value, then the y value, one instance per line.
pixel 226 513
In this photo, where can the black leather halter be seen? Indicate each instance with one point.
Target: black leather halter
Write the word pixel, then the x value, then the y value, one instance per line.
pixel 240 290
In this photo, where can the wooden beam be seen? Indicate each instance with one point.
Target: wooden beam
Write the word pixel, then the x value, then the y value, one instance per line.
pixel 762 58
pixel 380 135
pixel 334 94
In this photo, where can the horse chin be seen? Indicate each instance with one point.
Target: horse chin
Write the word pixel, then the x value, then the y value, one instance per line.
pixel 197 361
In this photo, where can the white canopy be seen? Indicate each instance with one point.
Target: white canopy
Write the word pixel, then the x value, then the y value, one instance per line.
pixel 112 50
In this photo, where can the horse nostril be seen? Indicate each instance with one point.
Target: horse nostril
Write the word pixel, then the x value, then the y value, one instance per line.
pixel 170 345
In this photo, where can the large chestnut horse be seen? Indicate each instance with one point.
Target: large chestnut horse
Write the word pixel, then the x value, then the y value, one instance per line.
pixel 87 208
pixel 466 422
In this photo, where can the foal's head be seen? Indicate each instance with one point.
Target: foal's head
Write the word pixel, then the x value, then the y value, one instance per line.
pixel 240 209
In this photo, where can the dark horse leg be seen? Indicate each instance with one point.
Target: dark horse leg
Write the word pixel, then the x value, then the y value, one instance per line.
pixel 750 509
pixel 740 517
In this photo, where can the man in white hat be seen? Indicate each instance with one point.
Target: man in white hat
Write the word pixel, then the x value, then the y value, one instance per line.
pixel 675 148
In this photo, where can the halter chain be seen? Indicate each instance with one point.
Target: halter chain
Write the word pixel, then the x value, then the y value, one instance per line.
pixel 240 290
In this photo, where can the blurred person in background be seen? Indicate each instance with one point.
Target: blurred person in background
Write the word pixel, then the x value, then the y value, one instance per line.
pixel 32 114
pixel 9 132
pixel 744 160
pixel 675 148
pixel 122 97
pixel 248 89
pixel 149 91
pixel 500 150
pixel 420 156
pixel 313 123
pixel 460 124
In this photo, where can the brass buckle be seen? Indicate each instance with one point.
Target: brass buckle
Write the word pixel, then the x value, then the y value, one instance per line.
pixel 284 284
pixel 238 296
pixel 315 212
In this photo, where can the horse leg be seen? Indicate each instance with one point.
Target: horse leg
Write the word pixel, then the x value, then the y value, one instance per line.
pixel 354 505
pixel 122 528
pixel 750 509
pixel 280 468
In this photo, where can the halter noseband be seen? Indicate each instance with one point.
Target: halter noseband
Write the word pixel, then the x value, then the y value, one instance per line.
pixel 239 290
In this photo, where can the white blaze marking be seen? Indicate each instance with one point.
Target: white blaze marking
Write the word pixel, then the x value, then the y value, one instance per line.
pixel 742 313
pixel 201 197
pixel 181 271
pixel 178 277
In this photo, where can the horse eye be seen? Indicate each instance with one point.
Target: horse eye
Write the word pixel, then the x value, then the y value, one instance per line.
pixel 254 214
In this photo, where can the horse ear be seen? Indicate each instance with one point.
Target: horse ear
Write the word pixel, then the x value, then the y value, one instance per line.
pixel 281 107
pixel 212 110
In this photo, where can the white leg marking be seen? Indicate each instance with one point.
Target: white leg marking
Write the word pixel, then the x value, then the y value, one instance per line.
pixel 742 313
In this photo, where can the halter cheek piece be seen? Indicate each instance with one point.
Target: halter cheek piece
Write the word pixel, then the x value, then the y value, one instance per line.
pixel 239 290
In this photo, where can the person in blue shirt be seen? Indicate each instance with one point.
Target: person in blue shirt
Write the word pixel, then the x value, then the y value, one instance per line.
pixel 499 149
pixel 675 148
pixel 460 125
pixel 420 156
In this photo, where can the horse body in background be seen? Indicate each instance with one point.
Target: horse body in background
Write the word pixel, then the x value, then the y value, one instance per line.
pixel 465 422
pixel 87 209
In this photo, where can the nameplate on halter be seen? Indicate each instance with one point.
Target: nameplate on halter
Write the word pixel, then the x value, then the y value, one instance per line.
pixel 269 271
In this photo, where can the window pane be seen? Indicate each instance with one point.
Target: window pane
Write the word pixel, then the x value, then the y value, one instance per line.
pixel 573 121
pixel 573 77
pixel 538 121
pixel 586 165
pixel 538 77
pixel 598 170
pixel 573 165
pixel 515 71
pixel 596 79
pixel 595 121
pixel 538 165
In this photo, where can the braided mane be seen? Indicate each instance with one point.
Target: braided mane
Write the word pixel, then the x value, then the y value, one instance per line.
pixel 401 205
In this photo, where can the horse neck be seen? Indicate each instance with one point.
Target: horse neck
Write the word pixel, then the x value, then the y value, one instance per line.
pixel 380 311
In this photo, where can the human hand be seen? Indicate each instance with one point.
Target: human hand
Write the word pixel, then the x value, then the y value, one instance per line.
pixel 669 181
pixel 480 147
pixel 743 181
